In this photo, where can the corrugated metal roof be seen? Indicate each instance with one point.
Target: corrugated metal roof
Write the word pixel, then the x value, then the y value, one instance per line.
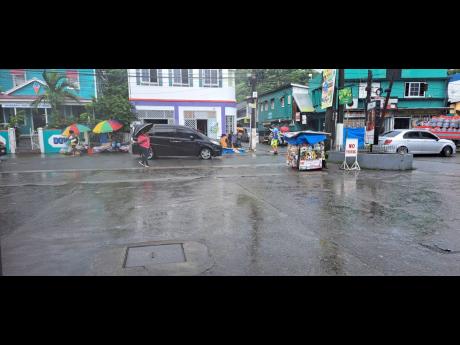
pixel 303 102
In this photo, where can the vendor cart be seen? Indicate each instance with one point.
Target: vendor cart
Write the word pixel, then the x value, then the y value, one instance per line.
pixel 306 149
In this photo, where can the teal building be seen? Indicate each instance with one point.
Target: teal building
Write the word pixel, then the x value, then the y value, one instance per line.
pixel 20 87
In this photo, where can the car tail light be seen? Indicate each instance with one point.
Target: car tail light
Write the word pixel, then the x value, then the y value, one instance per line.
pixel 387 142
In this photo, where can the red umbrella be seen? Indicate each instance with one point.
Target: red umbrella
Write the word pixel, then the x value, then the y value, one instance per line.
pixel 284 129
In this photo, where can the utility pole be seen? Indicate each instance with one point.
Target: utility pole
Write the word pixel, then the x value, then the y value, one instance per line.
pixel 368 97
pixel 339 126
pixel 379 119
pixel 368 94
pixel 253 82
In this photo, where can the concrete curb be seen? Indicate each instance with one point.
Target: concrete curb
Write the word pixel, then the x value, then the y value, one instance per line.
pixel 377 161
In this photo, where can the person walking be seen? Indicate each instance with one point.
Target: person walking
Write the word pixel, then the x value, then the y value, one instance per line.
pixel 275 140
pixel 239 138
pixel 144 144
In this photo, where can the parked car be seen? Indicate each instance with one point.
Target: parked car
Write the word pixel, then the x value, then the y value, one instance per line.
pixel 179 141
pixel 416 142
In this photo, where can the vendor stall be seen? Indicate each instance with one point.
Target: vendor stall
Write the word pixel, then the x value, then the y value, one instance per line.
pixel 306 149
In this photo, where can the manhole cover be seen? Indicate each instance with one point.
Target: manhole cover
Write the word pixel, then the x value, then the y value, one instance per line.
pixel 141 256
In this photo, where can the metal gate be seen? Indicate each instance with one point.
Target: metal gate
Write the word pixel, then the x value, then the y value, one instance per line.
pixel 156 115
pixel 230 123
pixel 34 142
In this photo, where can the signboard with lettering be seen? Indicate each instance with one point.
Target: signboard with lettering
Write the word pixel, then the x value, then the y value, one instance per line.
pixel 328 86
pixel 25 105
pixel 54 141
pixel 351 148
pixel 306 164
pixel 345 95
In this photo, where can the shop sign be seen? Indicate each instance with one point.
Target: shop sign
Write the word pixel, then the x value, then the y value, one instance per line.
pixel 306 164
pixel 304 119
pixel 25 105
pixel 351 148
pixel 58 141
pixel 297 116
pixel 328 87
pixel 345 95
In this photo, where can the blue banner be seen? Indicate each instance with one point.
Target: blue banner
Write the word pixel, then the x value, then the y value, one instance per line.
pixel 354 133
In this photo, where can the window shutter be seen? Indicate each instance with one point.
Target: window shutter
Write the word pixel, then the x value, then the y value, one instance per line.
pixel 190 77
pixel 407 89
pixel 170 77
pixel 138 77
pixel 201 78
pixel 220 78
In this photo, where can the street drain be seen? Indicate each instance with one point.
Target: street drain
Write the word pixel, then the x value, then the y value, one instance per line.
pixel 141 256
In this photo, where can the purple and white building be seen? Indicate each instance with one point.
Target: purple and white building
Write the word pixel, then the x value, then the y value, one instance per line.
pixel 203 99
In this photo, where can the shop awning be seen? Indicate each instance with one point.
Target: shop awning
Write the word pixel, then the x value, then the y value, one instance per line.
pixel 303 102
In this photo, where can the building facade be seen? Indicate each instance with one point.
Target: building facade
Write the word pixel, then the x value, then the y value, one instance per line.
pixel 203 99
pixel 417 95
pixel 284 106
pixel 454 94
pixel 243 114
pixel 20 87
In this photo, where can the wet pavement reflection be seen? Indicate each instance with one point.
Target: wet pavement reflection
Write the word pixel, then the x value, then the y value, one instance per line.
pixel 257 217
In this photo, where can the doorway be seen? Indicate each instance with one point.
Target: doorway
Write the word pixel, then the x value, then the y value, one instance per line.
pixel 39 118
pixel 202 126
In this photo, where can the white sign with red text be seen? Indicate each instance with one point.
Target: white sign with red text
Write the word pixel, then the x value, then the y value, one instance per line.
pixel 351 148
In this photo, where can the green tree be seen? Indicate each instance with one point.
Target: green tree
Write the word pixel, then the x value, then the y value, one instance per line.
pixel 56 91
pixel 269 79
pixel 113 102
pixel 18 119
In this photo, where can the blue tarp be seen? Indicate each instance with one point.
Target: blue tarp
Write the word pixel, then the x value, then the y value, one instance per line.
pixel 304 138
pixel 354 133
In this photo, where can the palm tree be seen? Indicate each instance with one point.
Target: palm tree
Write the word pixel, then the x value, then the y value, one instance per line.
pixel 56 91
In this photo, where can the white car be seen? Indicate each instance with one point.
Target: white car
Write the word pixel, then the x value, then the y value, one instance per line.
pixel 416 142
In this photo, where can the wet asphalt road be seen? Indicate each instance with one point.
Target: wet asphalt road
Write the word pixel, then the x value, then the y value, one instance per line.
pixel 59 215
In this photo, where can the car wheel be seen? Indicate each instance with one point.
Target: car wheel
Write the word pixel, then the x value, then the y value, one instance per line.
pixel 205 153
pixel 447 151
pixel 402 150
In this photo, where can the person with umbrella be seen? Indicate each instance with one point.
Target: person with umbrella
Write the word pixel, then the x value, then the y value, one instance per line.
pixel 72 132
pixel 144 144
pixel 140 135
pixel 73 142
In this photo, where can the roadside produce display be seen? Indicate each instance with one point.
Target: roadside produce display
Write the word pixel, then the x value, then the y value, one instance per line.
pixel 306 150
pixel 444 126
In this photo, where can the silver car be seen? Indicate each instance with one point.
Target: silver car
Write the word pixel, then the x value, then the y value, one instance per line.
pixel 416 142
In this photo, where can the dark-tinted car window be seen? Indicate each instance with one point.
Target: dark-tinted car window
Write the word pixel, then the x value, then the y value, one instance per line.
pixel 392 134
pixel 426 135
pixel 412 135
pixel 185 134
pixel 164 132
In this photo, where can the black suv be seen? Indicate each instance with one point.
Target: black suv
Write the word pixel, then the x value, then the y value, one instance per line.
pixel 179 141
